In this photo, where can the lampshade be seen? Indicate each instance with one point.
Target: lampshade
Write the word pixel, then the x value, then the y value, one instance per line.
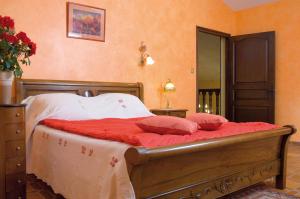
pixel 149 60
pixel 169 86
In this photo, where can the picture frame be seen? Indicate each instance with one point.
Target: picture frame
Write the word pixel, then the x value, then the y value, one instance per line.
pixel 85 22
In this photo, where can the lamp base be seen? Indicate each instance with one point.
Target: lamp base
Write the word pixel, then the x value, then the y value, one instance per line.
pixel 168 104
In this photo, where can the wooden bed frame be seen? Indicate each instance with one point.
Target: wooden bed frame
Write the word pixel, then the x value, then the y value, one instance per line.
pixel 204 169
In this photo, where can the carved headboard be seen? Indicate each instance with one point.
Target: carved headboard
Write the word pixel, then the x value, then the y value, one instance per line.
pixel 31 87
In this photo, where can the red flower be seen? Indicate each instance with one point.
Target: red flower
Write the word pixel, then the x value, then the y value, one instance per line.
pixel 10 38
pixel 32 47
pixel 1 22
pixel 7 22
pixel 23 37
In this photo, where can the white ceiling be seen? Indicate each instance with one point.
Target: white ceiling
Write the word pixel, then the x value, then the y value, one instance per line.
pixel 244 4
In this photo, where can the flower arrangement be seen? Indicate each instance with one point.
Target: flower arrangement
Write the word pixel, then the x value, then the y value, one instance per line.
pixel 14 48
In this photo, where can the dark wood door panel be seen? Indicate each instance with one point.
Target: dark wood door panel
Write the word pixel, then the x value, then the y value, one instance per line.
pixel 251 53
pixel 252 77
pixel 251 114
pixel 251 94
pixel 252 103
pixel 253 86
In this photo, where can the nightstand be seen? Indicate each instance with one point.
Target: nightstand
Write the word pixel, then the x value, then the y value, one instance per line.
pixel 12 151
pixel 170 112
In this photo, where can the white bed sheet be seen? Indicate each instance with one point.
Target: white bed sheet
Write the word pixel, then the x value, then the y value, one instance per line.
pixel 79 167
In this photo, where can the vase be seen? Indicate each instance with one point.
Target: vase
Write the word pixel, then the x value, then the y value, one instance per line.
pixel 6 83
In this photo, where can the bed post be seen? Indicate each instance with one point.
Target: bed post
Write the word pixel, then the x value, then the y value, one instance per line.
pixel 281 178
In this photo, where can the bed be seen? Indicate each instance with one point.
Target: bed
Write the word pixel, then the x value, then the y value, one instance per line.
pixel 204 169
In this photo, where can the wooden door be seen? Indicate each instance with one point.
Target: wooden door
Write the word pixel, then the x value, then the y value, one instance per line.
pixel 252 77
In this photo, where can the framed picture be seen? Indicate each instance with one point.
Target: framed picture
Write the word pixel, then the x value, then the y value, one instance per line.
pixel 85 22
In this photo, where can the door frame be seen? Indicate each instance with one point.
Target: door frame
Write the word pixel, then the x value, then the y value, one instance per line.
pixel 227 37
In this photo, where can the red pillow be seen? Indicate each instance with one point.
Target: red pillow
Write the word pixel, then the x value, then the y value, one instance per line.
pixel 168 125
pixel 206 121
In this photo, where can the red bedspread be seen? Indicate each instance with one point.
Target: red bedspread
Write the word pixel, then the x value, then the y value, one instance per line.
pixel 125 130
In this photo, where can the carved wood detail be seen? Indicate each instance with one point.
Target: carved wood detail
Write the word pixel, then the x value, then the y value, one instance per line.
pixel 235 182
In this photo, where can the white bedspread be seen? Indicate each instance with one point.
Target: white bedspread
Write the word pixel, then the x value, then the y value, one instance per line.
pixel 79 167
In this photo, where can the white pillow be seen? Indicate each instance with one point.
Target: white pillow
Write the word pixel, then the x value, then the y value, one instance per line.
pixel 74 107
pixel 56 105
pixel 115 105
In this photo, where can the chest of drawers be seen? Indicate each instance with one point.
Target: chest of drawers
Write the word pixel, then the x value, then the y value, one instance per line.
pixel 12 152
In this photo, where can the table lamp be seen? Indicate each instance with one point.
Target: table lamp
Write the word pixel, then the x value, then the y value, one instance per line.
pixel 169 87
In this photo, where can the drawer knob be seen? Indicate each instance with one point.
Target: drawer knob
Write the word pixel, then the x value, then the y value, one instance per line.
pixel 19 164
pixel 19 181
pixel 18 131
pixel 18 114
pixel 18 148
pixel 19 197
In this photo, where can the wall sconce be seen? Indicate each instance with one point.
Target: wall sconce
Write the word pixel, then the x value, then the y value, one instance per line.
pixel 169 87
pixel 146 59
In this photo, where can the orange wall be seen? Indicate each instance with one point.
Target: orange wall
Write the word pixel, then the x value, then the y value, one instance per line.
pixel 168 28
pixel 282 16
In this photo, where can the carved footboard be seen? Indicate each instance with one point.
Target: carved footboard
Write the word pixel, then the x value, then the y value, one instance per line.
pixel 209 169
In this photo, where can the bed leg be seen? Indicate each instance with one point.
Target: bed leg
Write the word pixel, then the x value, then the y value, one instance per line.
pixel 281 178
pixel 281 181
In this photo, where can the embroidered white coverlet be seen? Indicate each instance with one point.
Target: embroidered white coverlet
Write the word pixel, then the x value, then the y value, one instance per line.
pixel 79 167
pixel 75 166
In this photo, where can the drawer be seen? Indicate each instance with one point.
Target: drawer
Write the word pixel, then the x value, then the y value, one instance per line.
pixel 15 165
pixel 15 182
pixel 12 114
pixel 15 148
pixel 14 131
pixel 17 194
pixel 178 114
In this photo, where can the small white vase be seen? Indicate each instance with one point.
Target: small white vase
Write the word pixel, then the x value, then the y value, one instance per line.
pixel 6 82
